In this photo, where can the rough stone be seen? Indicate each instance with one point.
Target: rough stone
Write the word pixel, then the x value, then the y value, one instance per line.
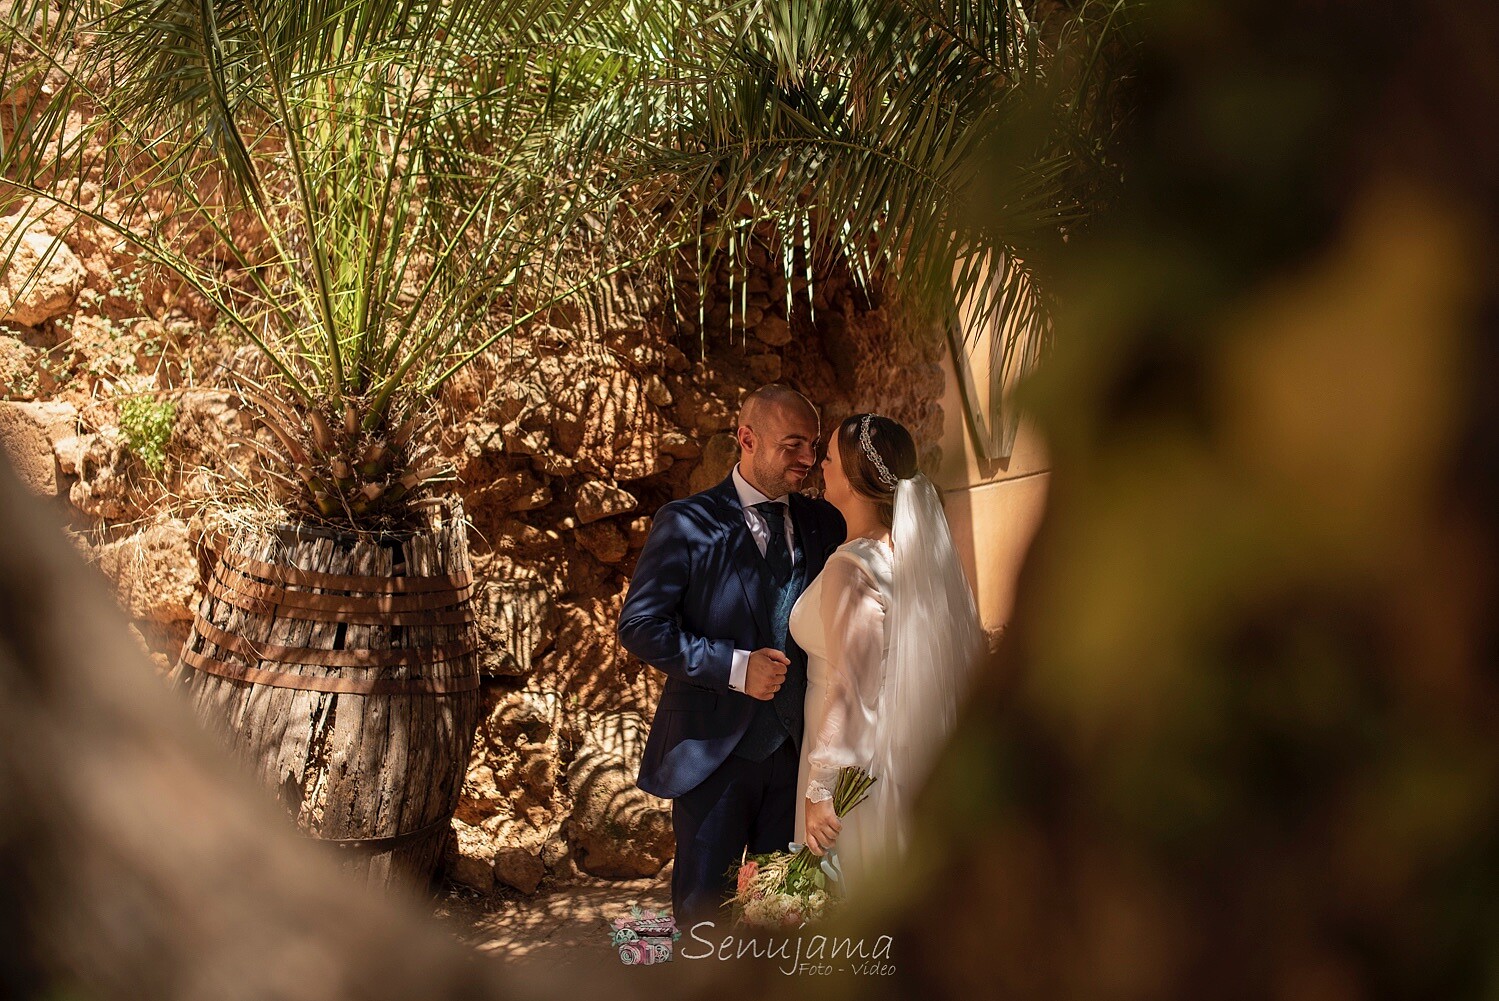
pixel 841 343
pixel 470 857
pixel 765 368
pixel 522 442
pixel 524 717
pixel 601 421
pixel 105 360
pixel 656 391
pixel 679 446
pixel 20 378
pixel 29 433
pixel 69 452
pixel 208 436
pixel 615 829
pixel 481 797
pixel 777 287
pixel 638 531
pixel 556 853
pixel 517 867
pixel 751 317
pixel 58 420
pixel 719 457
pixel 643 462
pixel 515 623
pixel 483 439
pixel 513 772
pixel 43 276
pixel 704 402
pixel 598 500
pixel 604 541
pixel 103 488
pixel 154 572
pixel 506 489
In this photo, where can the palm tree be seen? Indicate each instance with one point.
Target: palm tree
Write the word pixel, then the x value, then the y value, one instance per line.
pixel 370 181
pixel 368 176
pixel 943 150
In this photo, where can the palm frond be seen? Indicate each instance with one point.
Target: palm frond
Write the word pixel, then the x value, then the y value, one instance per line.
pixel 900 138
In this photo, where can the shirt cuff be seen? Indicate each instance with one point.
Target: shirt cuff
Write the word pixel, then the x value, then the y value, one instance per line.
pixel 738 667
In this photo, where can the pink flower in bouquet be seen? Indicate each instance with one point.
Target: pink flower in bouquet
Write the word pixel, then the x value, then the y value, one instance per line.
pixel 747 873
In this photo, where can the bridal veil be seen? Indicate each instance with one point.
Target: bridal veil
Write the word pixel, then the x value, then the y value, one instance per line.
pixel 935 644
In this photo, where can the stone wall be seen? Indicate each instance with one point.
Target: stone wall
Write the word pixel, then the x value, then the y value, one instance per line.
pixel 561 463
pixel 564 440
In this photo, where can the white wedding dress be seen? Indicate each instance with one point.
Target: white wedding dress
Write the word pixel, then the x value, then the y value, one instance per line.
pixel 891 643
pixel 841 622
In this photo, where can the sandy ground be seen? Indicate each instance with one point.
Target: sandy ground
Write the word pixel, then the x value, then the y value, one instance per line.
pixel 556 943
pixel 562 925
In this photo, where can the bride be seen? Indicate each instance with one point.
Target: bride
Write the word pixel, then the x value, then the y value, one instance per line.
pixel 891 635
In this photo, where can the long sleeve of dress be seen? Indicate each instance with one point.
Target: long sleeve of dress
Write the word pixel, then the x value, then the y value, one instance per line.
pixel 853 619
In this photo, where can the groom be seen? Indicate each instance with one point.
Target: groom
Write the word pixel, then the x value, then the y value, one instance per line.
pixel 708 605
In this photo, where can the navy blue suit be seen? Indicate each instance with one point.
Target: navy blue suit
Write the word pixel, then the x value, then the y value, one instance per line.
pixel 700 590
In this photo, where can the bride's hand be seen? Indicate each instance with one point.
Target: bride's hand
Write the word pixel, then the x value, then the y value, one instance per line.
pixel 823 826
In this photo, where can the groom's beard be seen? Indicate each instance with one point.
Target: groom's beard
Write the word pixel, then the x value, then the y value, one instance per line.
pixel 796 483
pixel 780 482
pixel 792 484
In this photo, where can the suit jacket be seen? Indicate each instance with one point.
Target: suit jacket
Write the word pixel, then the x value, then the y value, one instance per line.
pixel 699 592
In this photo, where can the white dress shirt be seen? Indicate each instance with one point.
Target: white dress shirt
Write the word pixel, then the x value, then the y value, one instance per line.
pixel 749 496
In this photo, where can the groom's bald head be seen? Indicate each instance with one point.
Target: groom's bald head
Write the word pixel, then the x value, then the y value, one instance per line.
pixel 775 397
pixel 777 433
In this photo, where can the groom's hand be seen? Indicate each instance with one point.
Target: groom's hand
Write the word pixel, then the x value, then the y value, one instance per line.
pixel 766 673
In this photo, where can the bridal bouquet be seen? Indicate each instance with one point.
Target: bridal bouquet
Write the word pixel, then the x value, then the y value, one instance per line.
pixel 791 888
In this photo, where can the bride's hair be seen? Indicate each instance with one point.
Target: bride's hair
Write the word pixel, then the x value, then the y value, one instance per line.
pixel 892 448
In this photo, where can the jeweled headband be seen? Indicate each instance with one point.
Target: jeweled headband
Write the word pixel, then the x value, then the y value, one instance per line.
pixel 886 477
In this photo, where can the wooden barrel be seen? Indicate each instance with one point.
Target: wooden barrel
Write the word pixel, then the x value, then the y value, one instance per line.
pixel 344 667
